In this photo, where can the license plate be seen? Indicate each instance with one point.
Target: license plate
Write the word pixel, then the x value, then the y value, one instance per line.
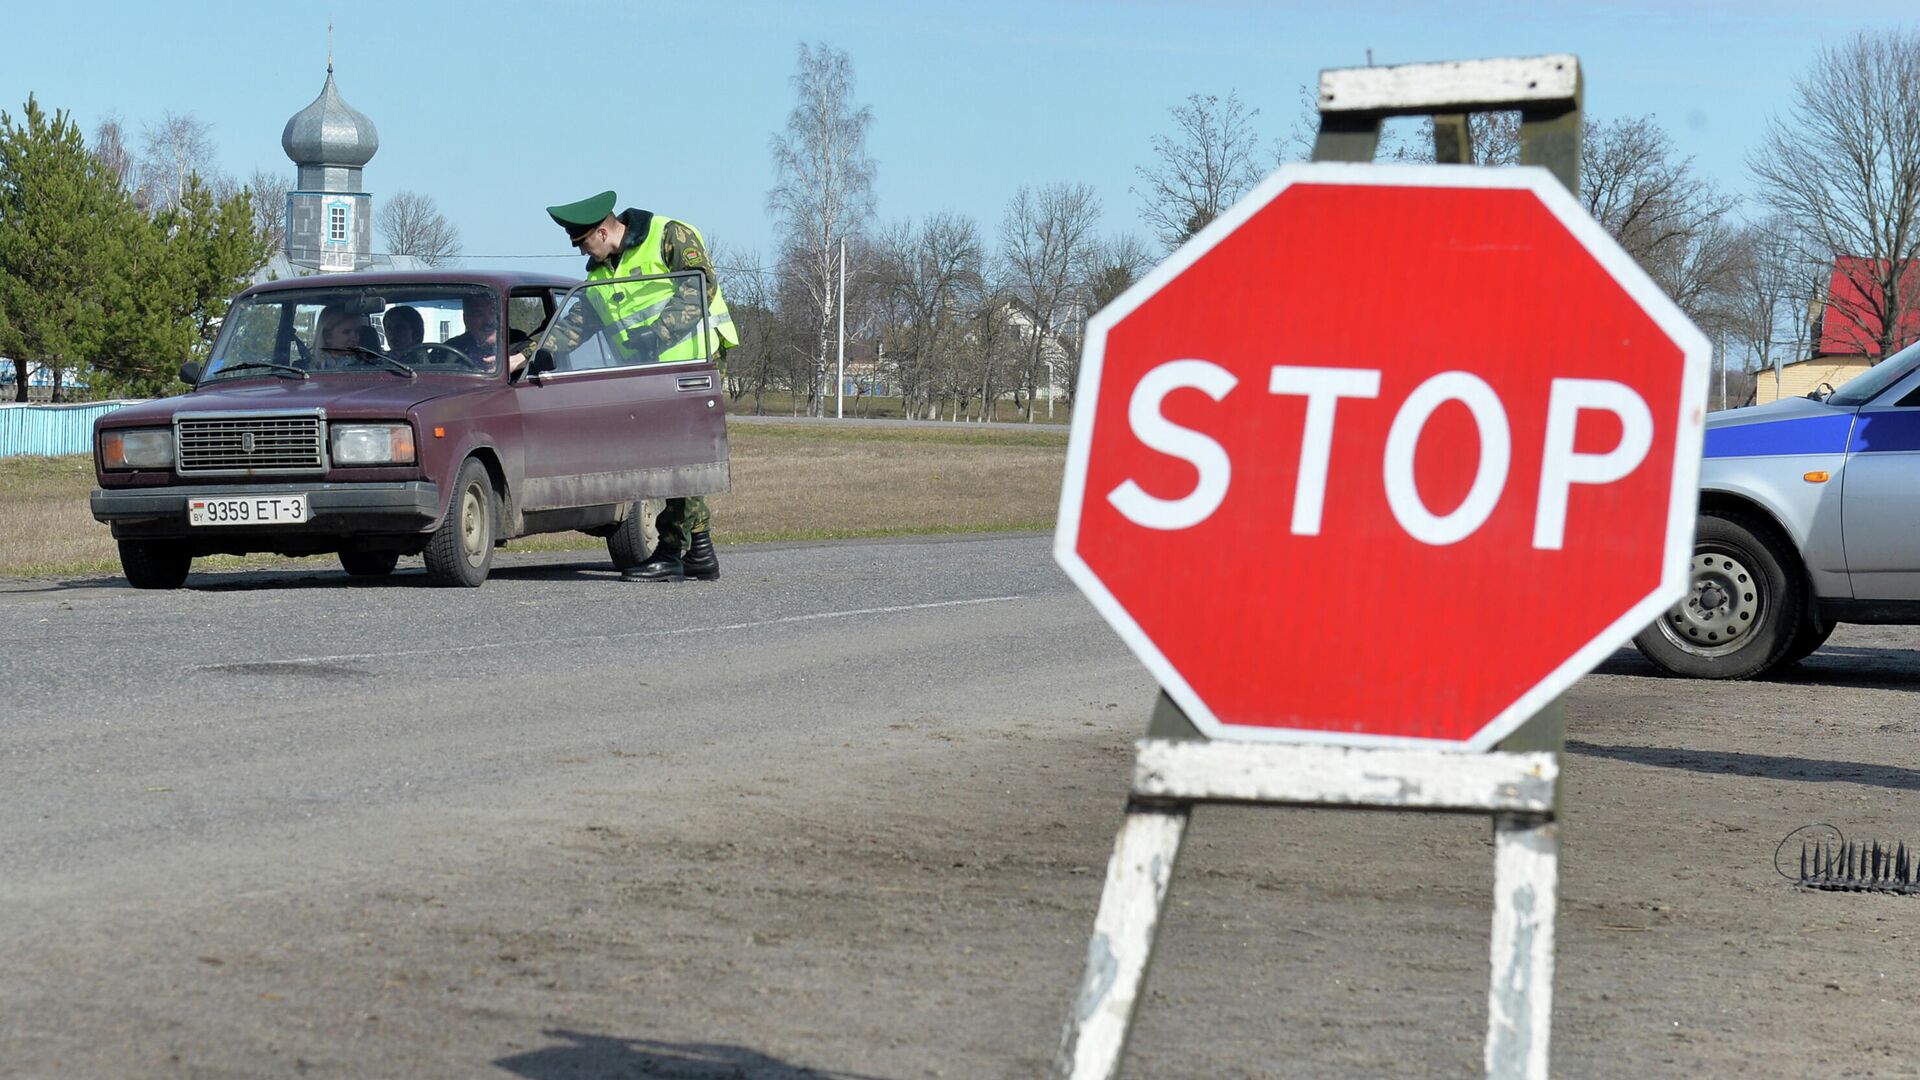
pixel 247 510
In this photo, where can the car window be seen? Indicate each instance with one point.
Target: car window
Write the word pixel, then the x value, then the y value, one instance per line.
pixel 1866 387
pixel 425 326
pixel 629 323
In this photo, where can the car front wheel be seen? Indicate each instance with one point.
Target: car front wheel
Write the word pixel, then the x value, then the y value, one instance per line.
pixel 1744 606
pixel 460 552
pixel 155 564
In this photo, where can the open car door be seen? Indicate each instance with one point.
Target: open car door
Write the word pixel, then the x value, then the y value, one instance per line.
pixel 606 419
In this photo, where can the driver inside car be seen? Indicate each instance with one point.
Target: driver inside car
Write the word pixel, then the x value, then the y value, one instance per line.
pixel 482 337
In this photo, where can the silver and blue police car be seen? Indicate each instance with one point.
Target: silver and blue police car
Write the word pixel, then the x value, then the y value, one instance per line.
pixel 1809 516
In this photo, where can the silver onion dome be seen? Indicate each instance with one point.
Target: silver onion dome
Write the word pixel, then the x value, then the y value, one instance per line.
pixel 330 132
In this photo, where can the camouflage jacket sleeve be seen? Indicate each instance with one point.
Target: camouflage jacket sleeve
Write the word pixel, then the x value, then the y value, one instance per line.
pixel 681 249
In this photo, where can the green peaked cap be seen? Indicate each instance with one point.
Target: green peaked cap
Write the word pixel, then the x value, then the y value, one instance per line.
pixel 578 217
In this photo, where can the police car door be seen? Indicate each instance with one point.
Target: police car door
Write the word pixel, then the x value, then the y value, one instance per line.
pixel 1880 500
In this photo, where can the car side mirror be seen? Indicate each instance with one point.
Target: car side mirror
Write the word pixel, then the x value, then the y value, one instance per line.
pixel 542 361
pixel 1821 392
pixel 190 373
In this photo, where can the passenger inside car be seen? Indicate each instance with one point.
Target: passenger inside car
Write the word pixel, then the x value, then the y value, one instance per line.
pixel 405 328
pixel 339 334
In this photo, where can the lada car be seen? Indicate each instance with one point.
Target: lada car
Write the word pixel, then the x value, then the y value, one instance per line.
pixel 1809 517
pixel 382 415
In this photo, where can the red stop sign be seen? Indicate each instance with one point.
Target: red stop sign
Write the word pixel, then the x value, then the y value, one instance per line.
pixel 1387 455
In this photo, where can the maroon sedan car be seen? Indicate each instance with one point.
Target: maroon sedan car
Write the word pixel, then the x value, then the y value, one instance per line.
pixel 424 413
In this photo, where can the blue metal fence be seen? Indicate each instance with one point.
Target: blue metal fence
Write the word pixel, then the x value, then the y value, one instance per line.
pixel 48 430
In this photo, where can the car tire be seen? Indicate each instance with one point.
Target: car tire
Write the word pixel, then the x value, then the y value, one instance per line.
pixel 155 564
pixel 460 551
pixel 627 543
pixel 1744 608
pixel 368 563
pixel 1808 639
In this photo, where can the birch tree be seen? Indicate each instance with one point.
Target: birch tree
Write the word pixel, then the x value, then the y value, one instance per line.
pixel 823 189
pixel 177 147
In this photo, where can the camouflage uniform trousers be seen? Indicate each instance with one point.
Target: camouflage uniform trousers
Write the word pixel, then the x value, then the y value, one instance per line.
pixel 679 519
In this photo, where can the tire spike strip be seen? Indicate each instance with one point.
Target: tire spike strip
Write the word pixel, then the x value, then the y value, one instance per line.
pixel 1851 867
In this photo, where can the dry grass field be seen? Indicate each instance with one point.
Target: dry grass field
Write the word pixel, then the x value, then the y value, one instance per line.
pixel 790 482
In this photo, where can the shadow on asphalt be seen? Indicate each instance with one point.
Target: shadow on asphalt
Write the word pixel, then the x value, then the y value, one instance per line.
pixel 1767 766
pixel 1840 666
pixel 405 578
pixel 583 1056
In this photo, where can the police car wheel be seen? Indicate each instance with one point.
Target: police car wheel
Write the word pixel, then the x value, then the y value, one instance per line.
pixel 1812 634
pixel 1744 606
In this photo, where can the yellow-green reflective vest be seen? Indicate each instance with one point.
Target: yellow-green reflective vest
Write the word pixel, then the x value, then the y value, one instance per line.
pixel 626 308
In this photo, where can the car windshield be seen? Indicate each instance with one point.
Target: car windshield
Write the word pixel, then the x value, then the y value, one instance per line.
pixel 368 331
pixel 1866 387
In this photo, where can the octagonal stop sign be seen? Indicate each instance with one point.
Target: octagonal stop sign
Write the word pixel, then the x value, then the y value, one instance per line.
pixel 1386 455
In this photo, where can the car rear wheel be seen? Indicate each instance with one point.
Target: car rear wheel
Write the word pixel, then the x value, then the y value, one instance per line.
pixel 155 564
pixel 1744 606
pixel 627 544
pixel 460 552
pixel 368 563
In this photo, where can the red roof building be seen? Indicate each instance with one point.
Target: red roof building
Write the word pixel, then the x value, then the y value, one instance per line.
pixel 1851 323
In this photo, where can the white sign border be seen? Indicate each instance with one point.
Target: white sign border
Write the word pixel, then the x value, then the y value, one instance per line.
pixel 1689 433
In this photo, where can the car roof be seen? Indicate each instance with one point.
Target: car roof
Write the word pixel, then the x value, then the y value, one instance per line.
pixel 498 279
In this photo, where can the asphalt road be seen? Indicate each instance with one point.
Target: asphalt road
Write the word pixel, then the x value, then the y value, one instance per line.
pixel 164 755
pixel 843 814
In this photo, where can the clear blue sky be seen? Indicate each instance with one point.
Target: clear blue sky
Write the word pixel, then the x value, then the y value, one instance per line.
pixel 496 109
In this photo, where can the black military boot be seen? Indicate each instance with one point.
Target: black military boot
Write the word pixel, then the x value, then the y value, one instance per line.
pixel 662 565
pixel 701 561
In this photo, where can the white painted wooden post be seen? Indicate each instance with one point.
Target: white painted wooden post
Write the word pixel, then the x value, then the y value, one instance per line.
pixel 1131 905
pixel 1526 890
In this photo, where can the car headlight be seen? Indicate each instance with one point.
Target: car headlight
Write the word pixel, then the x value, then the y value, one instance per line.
pixel 372 444
pixel 137 448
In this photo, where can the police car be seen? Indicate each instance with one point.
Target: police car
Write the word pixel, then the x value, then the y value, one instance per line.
pixel 1809 516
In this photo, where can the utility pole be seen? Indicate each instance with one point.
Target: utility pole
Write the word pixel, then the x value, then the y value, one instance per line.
pixel 1723 369
pixel 840 364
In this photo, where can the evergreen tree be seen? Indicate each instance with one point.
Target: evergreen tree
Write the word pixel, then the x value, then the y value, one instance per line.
pixel 87 280
pixel 59 214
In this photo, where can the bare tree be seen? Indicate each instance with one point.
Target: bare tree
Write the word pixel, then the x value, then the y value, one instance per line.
pixel 933 276
pixel 1672 221
pixel 750 365
pixel 1844 166
pixel 1210 160
pixel 1772 310
pixel 179 146
pixel 1394 144
pixel 270 205
pixel 1047 241
pixel 823 188
pixel 110 149
pixel 1113 266
pixel 411 225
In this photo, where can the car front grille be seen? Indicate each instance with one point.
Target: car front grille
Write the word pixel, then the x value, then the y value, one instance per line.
pixel 251 444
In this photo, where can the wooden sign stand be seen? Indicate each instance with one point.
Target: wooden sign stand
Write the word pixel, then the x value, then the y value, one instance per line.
pixel 1517 785
pixel 1520 790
